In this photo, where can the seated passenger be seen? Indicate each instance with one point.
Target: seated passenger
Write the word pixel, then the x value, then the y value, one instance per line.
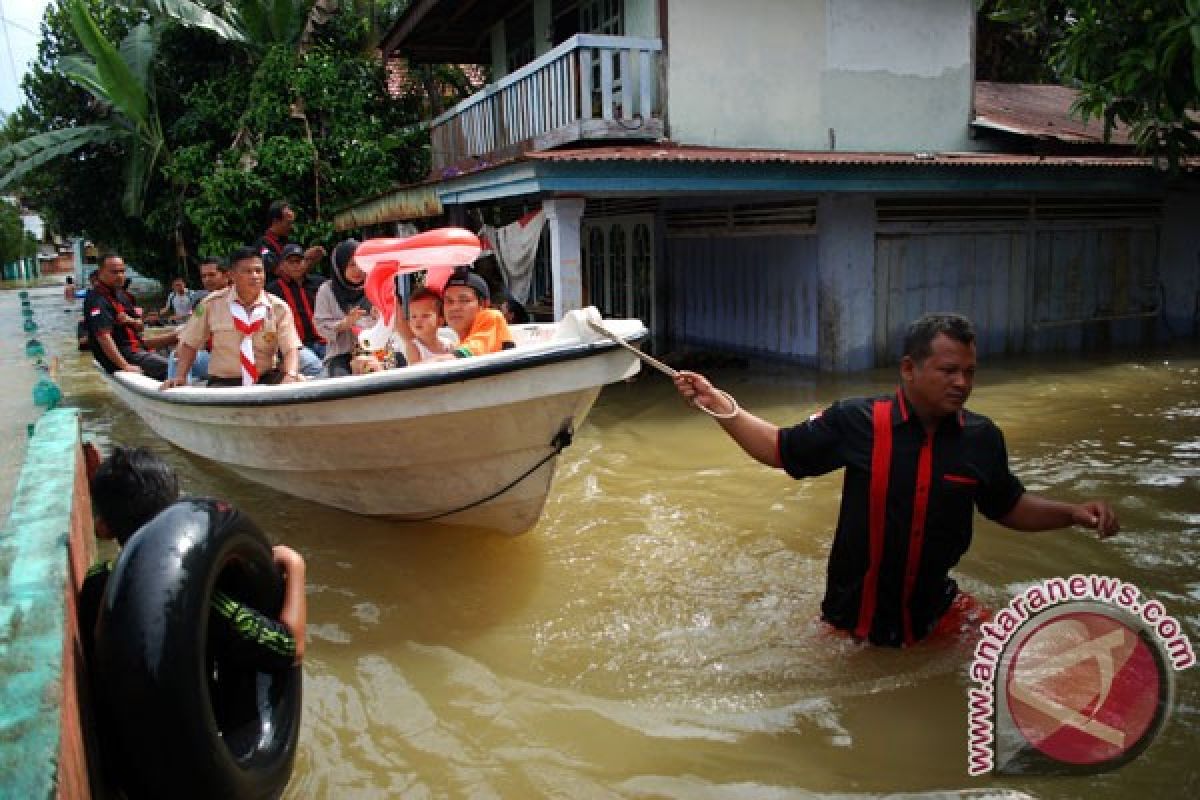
pixel 115 325
pixel 480 329
pixel 178 305
pixel 246 327
pixel 514 313
pixel 426 338
pixel 342 310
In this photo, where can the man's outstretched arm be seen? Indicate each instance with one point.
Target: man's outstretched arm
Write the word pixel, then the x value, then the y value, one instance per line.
pixel 759 438
pixel 1035 513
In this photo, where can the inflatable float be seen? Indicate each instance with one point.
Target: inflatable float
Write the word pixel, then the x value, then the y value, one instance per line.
pixel 186 724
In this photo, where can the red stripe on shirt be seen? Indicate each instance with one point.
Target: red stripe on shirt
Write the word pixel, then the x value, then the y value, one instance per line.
pixel 306 322
pixel 916 537
pixel 881 463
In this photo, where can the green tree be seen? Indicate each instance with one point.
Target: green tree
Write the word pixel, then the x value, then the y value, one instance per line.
pixel 119 79
pixel 12 233
pixel 1018 53
pixel 1135 63
pixel 243 122
pixel 318 128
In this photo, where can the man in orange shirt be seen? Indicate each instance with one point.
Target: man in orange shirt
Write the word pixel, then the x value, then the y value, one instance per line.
pixel 466 304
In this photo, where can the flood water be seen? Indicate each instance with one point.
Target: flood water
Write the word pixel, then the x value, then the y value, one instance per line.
pixel 655 636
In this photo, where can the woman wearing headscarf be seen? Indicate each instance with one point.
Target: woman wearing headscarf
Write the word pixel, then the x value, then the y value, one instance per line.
pixel 342 310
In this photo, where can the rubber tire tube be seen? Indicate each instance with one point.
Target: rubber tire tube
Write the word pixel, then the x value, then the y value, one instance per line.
pixel 186 725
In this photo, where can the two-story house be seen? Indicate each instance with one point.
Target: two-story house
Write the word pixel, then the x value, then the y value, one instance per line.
pixel 794 178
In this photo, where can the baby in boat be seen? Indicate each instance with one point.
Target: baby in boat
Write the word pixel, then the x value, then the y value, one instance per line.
pixel 428 338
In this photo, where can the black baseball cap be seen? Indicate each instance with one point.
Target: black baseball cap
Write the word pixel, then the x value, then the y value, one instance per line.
pixel 464 277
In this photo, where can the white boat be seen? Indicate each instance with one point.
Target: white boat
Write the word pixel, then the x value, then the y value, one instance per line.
pixel 469 442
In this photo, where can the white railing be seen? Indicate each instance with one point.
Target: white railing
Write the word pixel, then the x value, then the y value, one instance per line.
pixel 602 79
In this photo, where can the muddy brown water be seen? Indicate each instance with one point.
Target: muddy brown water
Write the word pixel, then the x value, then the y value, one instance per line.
pixel 655 635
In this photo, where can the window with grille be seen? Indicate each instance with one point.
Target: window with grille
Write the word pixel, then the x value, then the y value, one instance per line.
pixel 618 305
pixel 518 37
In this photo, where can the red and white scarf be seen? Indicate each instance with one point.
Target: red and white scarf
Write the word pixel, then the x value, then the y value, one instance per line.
pixel 248 325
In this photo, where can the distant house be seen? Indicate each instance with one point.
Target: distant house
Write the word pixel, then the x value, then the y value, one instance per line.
pixel 795 180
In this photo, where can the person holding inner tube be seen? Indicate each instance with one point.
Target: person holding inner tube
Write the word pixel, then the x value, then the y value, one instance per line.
pixel 465 305
pixel 916 462
pixel 129 488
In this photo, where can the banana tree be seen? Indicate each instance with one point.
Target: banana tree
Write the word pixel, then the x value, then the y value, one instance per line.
pixel 256 24
pixel 119 77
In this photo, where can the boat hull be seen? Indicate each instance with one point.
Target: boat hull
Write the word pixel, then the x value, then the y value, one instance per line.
pixel 470 443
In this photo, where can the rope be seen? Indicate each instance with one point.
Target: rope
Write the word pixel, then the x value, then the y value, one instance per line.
pixel 735 408
pixel 561 441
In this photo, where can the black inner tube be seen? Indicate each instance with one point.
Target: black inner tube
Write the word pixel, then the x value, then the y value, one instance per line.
pixel 189 721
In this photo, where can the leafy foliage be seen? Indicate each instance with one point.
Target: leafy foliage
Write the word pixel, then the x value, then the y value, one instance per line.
pixel 1136 63
pixel 234 115
pixel 15 242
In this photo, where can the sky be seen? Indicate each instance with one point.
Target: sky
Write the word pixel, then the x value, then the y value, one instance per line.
pixel 20 23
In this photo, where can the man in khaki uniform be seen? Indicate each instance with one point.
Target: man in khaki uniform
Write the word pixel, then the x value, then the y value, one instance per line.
pixel 247 327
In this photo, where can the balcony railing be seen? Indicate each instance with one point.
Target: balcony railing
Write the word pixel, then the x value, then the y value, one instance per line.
pixel 589 87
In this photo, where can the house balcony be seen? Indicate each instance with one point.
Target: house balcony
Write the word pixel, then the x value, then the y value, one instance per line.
pixel 590 87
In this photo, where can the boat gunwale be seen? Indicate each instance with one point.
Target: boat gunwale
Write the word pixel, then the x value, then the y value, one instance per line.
pixel 330 389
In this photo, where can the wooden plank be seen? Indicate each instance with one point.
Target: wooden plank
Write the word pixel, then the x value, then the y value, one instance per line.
pixel 645 84
pixel 585 84
pixel 606 83
pixel 626 62
pixel 573 90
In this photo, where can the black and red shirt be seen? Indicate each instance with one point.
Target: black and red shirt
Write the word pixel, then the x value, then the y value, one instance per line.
pixel 270 249
pixel 101 307
pixel 908 499
pixel 301 298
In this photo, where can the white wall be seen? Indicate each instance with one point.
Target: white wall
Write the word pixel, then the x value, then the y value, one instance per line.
pixel 641 18
pixel 892 75
pixel 746 74
pixel 33 224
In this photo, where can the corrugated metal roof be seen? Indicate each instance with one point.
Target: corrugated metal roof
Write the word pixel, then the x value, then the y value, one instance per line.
pixel 1039 110
pixel 682 153
pixel 399 205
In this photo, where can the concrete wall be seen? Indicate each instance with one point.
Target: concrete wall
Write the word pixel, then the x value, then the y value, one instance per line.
pixel 641 18
pixel 898 74
pixel 846 281
pixel 886 75
pixel 746 74
pixel 45 549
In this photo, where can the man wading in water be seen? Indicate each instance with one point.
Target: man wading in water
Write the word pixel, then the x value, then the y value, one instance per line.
pixel 916 462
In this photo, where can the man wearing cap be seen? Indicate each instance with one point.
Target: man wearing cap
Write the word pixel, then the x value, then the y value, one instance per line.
pixel 247 328
pixel 465 305
pixel 298 288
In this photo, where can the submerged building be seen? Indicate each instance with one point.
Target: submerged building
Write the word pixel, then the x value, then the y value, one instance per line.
pixel 793 180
